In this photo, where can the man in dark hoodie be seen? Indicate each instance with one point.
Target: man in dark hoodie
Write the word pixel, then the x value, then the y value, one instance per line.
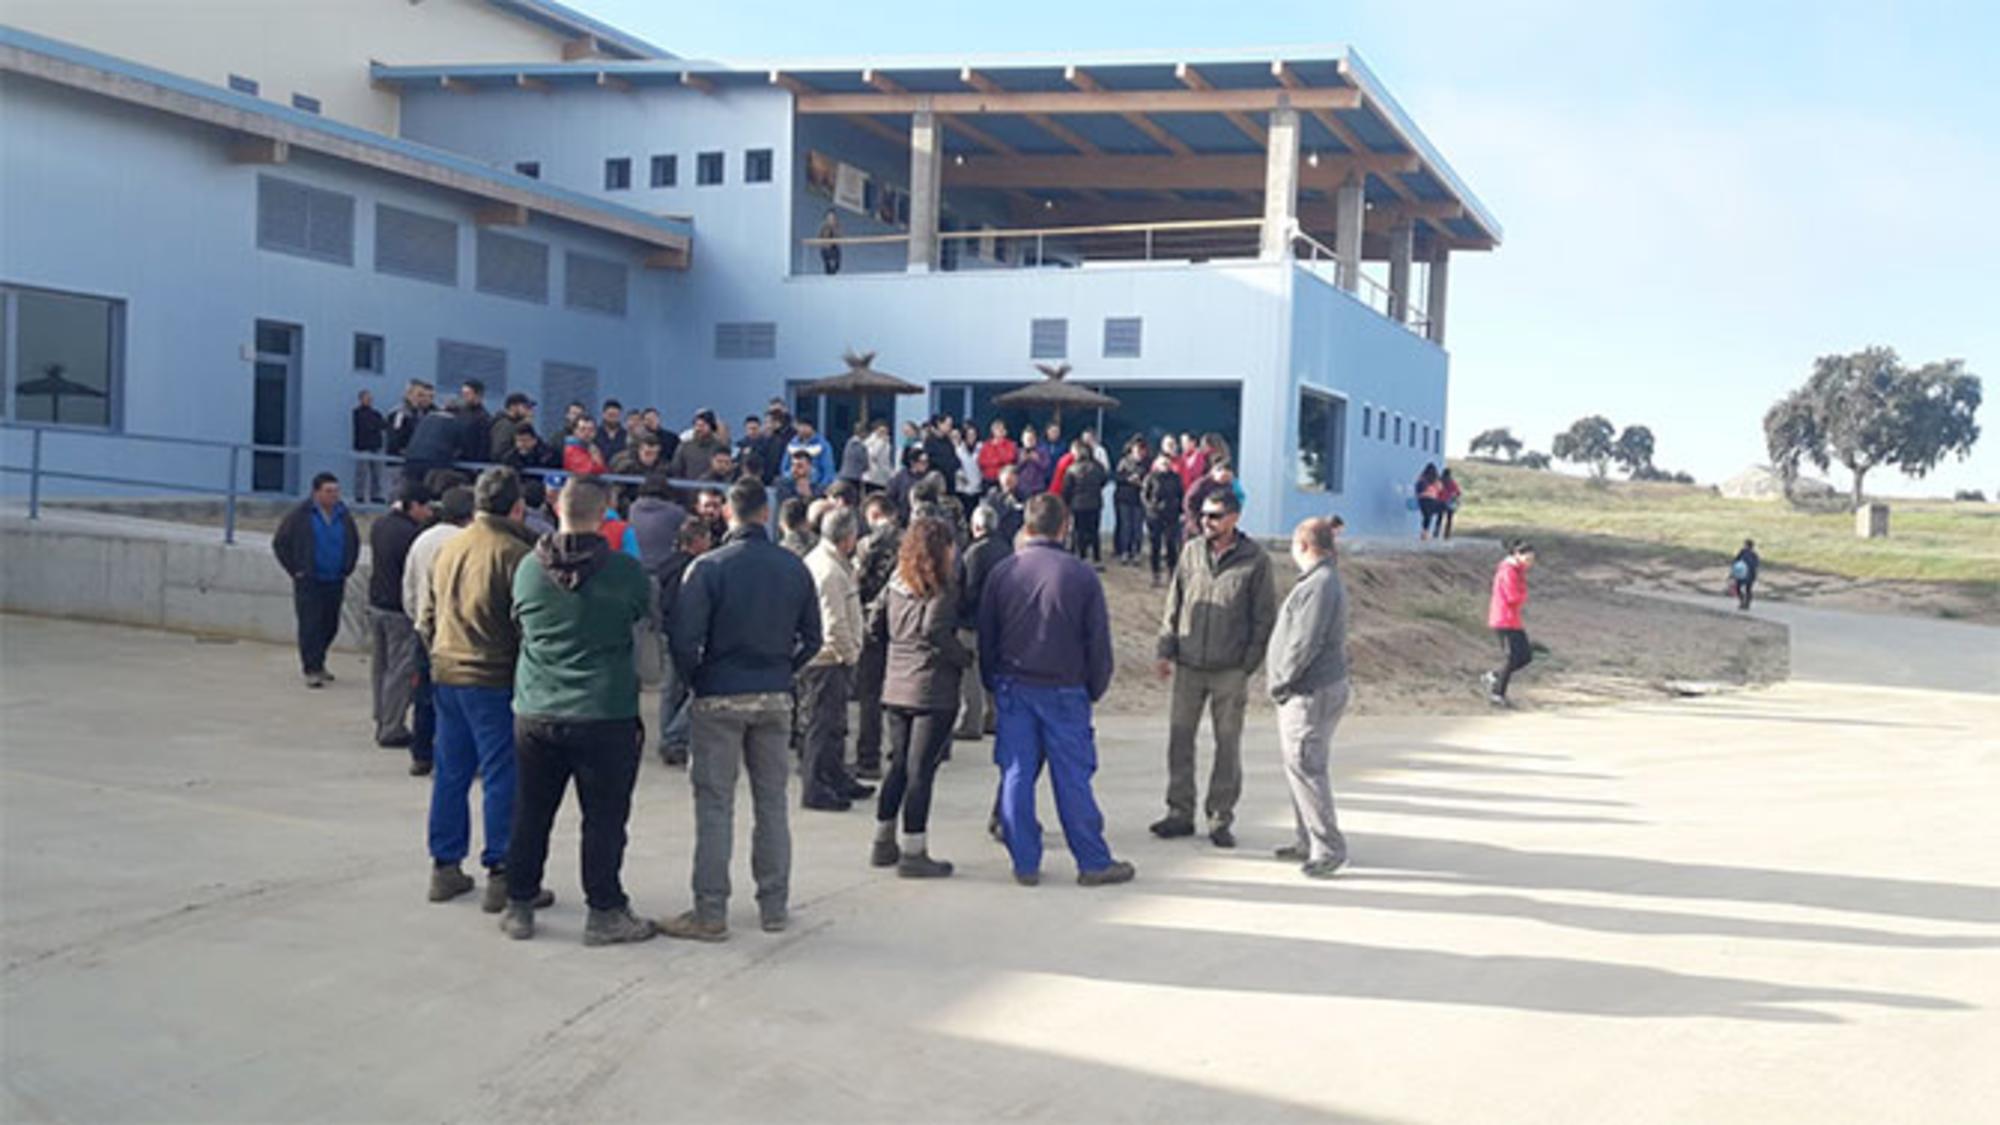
pixel 576 714
pixel 691 541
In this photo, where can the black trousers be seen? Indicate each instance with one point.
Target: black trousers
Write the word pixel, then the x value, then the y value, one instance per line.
pixel 868 695
pixel 1743 590
pixel 1517 655
pixel 1130 529
pixel 603 756
pixel 1165 533
pixel 926 736
pixel 317 604
pixel 822 715
pixel 1087 535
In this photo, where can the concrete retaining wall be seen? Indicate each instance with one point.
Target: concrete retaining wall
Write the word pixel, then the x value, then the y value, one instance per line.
pixel 104 568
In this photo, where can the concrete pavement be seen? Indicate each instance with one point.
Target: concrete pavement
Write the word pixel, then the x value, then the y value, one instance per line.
pixel 1773 906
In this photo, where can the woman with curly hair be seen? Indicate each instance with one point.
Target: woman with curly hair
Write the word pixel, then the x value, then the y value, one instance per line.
pixel 917 619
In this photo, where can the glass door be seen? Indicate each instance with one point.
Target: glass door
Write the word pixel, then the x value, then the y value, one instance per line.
pixel 274 408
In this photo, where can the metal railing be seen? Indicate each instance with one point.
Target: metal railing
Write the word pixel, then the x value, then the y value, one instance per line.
pixel 1322 259
pixel 1028 247
pixel 232 491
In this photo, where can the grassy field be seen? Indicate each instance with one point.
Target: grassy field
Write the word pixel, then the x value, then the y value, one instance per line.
pixel 1929 541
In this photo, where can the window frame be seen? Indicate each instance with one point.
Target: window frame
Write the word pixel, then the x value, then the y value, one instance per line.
pixel 1334 432
pixel 244 85
pixel 305 103
pixel 378 357
pixel 718 160
pixel 750 165
pixel 663 170
pixel 617 173
pixel 10 343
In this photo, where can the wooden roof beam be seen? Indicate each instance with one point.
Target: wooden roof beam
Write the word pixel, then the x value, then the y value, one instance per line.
pixel 613 82
pixel 695 81
pixel 1243 172
pixel 1041 121
pixel 1081 79
pixel 1193 80
pixel 791 82
pixel 1290 80
pixel 875 128
pixel 1131 104
pixel 582 47
pixel 529 82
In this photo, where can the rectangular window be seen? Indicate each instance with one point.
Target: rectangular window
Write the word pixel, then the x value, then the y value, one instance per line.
pixel 305 102
pixel 618 173
pixel 666 170
pixel 409 244
pixel 529 168
pixel 1048 338
pixel 1322 463
pixel 596 284
pixel 512 267
pixel 757 166
pixel 457 362
pixel 708 169
pixel 756 339
pixel 1367 421
pixel 306 221
pixel 243 85
pixel 1121 337
pixel 1399 429
pixel 371 353
pixel 64 357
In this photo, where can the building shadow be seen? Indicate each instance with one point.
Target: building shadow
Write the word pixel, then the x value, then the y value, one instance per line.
pixel 1447 793
pixel 1413 808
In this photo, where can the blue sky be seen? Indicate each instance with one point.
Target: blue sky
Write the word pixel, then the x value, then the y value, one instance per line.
pixel 1699 198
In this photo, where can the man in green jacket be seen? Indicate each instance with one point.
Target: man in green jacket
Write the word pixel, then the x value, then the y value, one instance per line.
pixel 1221 605
pixel 576 713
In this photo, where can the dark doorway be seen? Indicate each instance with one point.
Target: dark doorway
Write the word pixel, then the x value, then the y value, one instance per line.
pixel 274 409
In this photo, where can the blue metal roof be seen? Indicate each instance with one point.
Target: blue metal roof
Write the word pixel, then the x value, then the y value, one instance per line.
pixel 312 122
pixel 1379 123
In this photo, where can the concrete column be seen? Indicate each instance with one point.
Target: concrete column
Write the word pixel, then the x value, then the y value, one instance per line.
pixel 1349 212
pixel 1402 240
pixel 926 185
pixel 1434 306
pixel 1281 185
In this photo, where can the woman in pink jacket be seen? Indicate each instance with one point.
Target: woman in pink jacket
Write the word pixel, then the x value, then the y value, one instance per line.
pixel 1503 616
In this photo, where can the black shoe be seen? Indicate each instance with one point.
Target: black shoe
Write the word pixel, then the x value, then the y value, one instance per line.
pixel 856 791
pixel 677 756
pixel 966 735
pixel 1028 878
pixel 869 772
pixel 885 853
pixel 827 804
pixel 1172 827
pixel 1118 872
pixel 1292 852
pixel 922 866
pixel 396 741
pixel 1222 838
pixel 420 767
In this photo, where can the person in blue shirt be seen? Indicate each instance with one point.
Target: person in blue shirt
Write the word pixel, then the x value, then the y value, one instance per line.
pixel 809 442
pixel 318 545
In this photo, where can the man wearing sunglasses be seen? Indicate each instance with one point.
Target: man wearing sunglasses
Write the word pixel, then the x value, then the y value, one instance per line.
pixel 1221 605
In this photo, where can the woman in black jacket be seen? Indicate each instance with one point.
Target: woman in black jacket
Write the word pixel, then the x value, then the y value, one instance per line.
pixel 1162 496
pixel 917 618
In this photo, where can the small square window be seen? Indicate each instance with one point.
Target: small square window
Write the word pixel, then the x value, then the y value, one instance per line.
pixel 757 166
pixel 243 85
pixel 618 173
pixel 371 353
pixel 666 170
pixel 305 102
pixel 708 169
pixel 529 168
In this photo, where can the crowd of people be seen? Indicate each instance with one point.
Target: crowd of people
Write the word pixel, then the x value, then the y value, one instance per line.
pixel 949 590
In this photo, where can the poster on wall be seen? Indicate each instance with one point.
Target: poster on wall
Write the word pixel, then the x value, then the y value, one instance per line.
pixel 850 189
pixel 820 172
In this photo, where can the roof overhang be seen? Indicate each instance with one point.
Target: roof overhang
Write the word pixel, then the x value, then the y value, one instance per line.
pixel 1121 122
pixel 264 132
pixel 587 35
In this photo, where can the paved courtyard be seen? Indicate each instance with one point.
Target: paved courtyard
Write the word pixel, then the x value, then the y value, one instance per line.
pixel 1775 906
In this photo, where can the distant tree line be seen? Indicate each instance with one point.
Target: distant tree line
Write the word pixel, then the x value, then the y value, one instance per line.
pixel 1592 441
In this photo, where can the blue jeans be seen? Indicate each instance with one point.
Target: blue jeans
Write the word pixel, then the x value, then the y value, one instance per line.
pixel 475 737
pixel 1049 725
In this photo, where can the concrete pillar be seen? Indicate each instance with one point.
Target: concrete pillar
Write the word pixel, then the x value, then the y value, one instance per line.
pixel 1434 305
pixel 1281 185
pixel 1402 240
pixel 1349 212
pixel 926 186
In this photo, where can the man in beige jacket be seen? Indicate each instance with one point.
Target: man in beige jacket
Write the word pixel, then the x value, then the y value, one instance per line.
pixel 827 682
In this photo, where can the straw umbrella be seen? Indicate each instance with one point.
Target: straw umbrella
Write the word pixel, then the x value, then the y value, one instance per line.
pixel 1055 393
pixel 861 380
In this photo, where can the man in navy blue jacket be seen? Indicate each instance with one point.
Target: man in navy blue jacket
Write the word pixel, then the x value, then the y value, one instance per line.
pixel 1045 654
pixel 746 620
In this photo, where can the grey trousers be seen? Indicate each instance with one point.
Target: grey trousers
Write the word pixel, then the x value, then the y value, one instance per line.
pixel 392 670
pixel 732 734
pixel 1305 738
pixel 675 700
pixel 977 713
pixel 824 690
pixel 1224 692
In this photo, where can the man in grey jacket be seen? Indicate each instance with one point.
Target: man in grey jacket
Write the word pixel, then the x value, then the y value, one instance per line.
pixel 1306 671
pixel 1213 629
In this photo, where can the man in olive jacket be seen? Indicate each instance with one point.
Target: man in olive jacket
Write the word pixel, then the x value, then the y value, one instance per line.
pixel 1221 605
pixel 468 627
pixel 576 713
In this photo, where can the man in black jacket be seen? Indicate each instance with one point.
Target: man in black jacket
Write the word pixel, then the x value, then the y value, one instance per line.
pixel 392 637
pixel 475 435
pixel 438 442
pixel 318 545
pixel 418 400
pixel 746 620
pixel 369 427
pixel 874 566
pixel 691 541
pixel 976 710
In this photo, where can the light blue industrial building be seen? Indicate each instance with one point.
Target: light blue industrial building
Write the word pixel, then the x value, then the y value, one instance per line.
pixel 1255 247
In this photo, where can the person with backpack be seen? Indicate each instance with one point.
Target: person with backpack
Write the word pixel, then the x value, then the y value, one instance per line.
pixel 1743 574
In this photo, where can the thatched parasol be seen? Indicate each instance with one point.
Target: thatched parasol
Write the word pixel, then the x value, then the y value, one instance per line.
pixel 1053 392
pixel 861 380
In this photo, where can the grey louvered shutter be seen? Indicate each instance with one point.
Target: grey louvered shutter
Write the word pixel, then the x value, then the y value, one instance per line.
pixel 597 284
pixel 1048 338
pixel 513 267
pixel 459 361
pixel 412 245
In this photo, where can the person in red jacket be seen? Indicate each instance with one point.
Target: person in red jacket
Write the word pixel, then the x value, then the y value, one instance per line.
pixel 581 456
pixel 1061 471
pixel 996 453
pixel 1503 616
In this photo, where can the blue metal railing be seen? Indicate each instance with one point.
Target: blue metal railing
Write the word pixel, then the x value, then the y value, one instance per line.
pixel 232 489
